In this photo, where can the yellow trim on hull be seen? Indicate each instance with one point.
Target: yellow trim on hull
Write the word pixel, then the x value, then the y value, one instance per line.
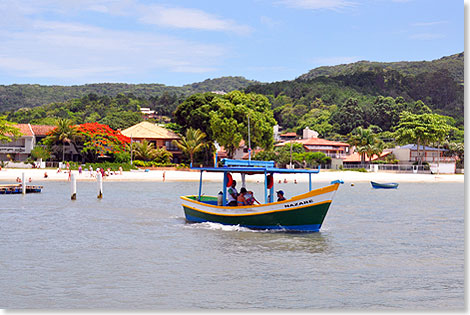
pixel 312 193
pixel 256 213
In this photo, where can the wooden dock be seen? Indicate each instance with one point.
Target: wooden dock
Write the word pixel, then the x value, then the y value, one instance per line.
pixel 6 189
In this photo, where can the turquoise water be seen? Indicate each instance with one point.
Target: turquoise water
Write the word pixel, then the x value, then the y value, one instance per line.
pixel 378 250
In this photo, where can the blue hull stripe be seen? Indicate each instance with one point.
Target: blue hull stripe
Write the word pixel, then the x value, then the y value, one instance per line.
pixel 303 228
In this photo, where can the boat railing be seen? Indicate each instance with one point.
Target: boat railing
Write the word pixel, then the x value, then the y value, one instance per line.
pixel 245 163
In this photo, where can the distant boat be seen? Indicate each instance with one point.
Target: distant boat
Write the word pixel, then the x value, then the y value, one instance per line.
pixel 384 185
pixel 6 189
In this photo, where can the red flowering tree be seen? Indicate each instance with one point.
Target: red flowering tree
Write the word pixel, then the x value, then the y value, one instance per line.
pixel 100 140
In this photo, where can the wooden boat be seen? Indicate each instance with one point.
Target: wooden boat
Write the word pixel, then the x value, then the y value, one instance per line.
pixel 17 189
pixel 304 213
pixel 384 185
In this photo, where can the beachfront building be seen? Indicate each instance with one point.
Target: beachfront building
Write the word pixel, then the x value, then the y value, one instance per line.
pixel 20 149
pixel 409 154
pixel 333 149
pixel 159 136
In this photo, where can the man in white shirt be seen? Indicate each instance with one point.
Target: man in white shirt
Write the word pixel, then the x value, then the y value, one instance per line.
pixel 232 194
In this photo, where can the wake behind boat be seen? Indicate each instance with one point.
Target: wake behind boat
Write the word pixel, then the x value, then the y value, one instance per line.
pixel 305 212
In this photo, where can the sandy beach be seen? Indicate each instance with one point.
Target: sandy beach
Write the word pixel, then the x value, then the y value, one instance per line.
pixel 10 174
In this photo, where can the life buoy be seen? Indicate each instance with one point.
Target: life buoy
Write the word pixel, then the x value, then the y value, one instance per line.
pixel 229 180
pixel 270 181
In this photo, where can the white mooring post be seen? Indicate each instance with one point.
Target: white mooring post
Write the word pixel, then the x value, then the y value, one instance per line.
pixel 99 178
pixel 74 187
pixel 23 184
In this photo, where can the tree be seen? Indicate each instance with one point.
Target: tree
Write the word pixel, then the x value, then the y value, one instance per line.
pixel 422 129
pixel 229 124
pixel 144 150
pixel 8 130
pixel 348 116
pixel 191 142
pixel 40 152
pixel 65 132
pixel 362 139
pixel 99 140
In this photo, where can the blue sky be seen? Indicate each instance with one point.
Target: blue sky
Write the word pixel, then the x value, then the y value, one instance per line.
pixel 66 42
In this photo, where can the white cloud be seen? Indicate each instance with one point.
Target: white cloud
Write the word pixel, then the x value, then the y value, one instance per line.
pixel 188 19
pixel 74 51
pixel 426 36
pixel 317 4
pixel 425 24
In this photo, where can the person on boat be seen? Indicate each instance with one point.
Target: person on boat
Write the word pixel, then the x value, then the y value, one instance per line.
pixel 241 200
pixel 280 195
pixel 232 194
pixel 250 198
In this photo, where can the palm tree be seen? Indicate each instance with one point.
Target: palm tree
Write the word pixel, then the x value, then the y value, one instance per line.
pixel 362 138
pixel 64 133
pixel 144 150
pixel 192 142
pixel 375 148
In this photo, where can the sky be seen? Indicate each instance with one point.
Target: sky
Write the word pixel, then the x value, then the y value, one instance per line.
pixel 177 42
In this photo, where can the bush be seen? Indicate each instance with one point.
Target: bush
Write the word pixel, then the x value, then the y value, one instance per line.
pixel 140 163
pixel 40 152
pixel 104 165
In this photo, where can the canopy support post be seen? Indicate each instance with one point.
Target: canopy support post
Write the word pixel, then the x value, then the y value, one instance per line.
pixel 243 179
pixel 309 181
pixel 266 188
pixel 224 190
pixel 271 191
pixel 200 186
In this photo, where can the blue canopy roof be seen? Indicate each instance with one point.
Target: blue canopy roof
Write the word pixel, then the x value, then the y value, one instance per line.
pixel 254 167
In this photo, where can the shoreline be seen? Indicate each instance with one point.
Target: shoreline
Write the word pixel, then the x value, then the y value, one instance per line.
pixel 10 174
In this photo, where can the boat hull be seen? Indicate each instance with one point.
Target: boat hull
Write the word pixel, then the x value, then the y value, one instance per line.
pixel 304 213
pixel 384 185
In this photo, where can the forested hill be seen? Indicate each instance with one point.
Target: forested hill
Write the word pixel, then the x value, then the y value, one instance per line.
pixel 438 84
pixel 454 64
pixel 17 96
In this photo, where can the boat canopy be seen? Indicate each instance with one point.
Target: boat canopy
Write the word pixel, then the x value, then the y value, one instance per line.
pixel 253 167
pixel 250 167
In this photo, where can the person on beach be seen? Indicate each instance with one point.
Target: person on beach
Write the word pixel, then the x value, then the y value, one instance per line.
pixel 280 195
pixel 241 201
pixel 80 170
pixel 70 175
pixel 120 172
pixel 163 175
pixel 45 175
pixel 232 194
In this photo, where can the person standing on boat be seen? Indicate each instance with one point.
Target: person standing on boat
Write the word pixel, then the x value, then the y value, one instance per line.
pixel 280 195
pixel 232 195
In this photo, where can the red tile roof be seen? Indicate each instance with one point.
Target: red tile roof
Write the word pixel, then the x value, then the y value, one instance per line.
pixel 356 157
pixel 42 130
pixel 289 134
pixel 24 129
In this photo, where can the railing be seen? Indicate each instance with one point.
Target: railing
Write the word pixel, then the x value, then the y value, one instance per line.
pixel 390 167
pixel 12 149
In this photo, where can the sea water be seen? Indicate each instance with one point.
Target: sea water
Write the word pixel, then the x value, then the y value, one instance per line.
pixel 397 249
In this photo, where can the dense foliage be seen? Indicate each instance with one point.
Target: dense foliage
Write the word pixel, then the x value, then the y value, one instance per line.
pixel 16 96
pixel 224 118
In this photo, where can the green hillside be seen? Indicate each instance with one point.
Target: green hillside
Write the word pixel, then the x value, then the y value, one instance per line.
pixel 17 96
pixel 454 64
